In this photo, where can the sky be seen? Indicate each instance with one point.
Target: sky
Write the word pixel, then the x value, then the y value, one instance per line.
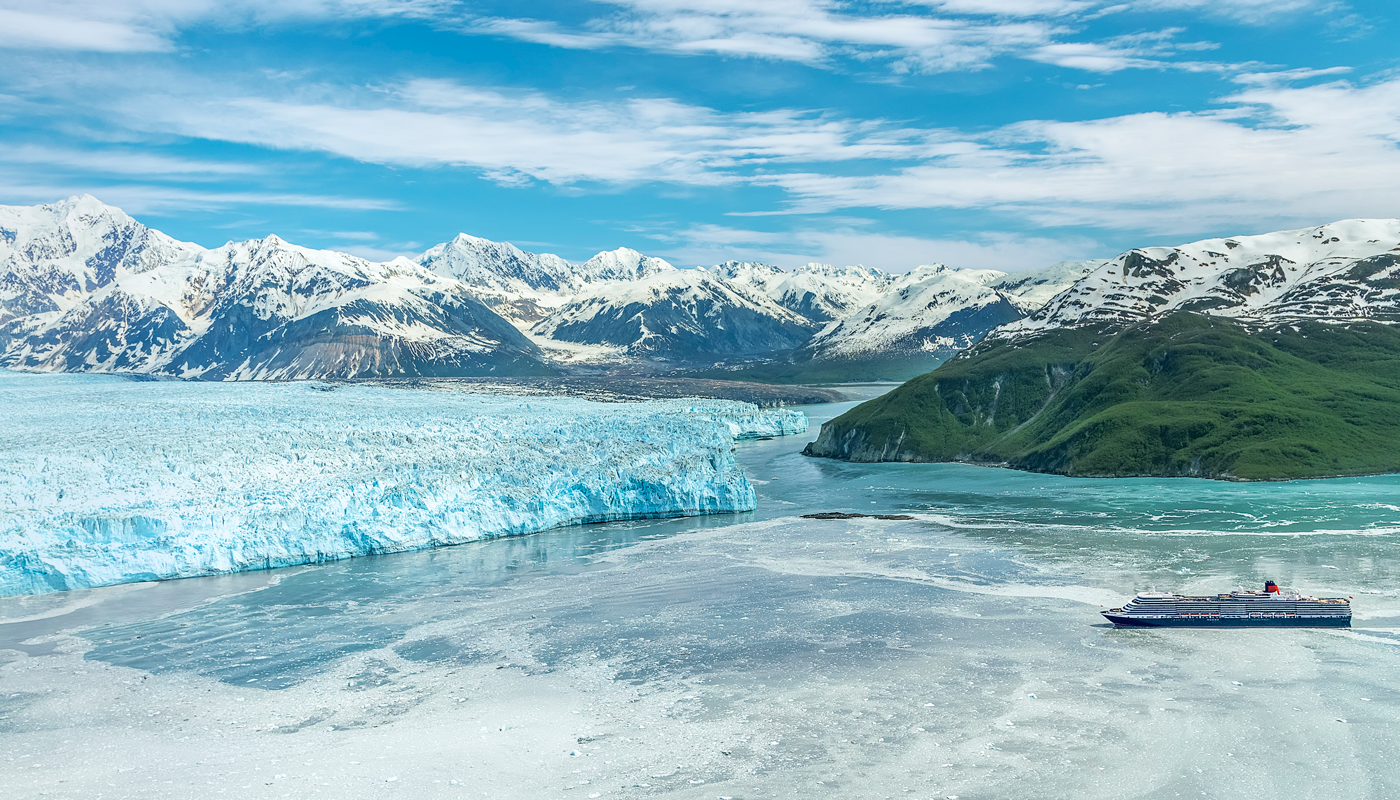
pixel 1004 134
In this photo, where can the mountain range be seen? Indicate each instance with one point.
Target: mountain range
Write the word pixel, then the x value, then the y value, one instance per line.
pixel 1251 357
pixel 1343 270
pixel 1263 357
pixel 84 287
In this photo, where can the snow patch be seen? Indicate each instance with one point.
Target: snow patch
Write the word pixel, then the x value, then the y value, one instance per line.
pixel 1340 271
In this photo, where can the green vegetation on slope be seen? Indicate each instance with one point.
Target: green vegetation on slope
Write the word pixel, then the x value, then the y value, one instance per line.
pixel 1182 395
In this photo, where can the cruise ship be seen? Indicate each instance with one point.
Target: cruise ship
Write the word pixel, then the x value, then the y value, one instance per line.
pixel 1271 608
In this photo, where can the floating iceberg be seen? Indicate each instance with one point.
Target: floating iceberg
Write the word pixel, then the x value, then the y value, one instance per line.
pixel 105 480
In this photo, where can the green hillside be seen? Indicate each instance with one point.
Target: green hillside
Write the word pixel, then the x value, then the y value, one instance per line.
pixel 1182 395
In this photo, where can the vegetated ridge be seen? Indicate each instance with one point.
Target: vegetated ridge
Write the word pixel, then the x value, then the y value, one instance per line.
pixel 1294 371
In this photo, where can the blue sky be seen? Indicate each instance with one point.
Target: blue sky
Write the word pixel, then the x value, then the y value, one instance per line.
pixel 984 133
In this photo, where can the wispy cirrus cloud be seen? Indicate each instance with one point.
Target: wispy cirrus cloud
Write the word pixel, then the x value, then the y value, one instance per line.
pixel 134 26
pixel 852 241
pixel 1250 12
pixel 28 30
pixel 1246 11
pixel 932 36
pixel 1271 153
pixel 151 182
pixel 120 162
pixel 1012 8
pixel 517 137
pixel 1287 76
pixel 146 198
pixel 1144 50
pixel 805 31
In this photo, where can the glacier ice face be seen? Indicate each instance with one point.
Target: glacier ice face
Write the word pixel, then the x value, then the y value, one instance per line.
pixel 744 420
pixel 105 480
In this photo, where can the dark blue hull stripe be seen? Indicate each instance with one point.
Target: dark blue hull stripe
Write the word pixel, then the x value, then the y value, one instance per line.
pixel 1230 622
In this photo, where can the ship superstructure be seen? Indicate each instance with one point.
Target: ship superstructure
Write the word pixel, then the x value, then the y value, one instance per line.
pixel 1271 608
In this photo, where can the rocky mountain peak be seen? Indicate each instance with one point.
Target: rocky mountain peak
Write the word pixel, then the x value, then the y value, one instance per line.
pixel 1341 270
pixel 624 263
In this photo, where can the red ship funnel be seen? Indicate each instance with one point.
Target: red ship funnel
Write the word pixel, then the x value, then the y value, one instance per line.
pixel 1271 587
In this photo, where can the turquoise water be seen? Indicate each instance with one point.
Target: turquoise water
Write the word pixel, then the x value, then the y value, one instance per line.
pixel 1335 536
pixel 752 655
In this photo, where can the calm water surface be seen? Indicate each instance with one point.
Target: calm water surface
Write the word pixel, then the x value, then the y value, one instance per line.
pixel 757 655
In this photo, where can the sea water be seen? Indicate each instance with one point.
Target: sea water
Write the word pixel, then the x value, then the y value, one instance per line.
pixel 956 654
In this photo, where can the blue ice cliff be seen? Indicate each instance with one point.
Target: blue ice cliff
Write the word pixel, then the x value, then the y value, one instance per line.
pixel 105 480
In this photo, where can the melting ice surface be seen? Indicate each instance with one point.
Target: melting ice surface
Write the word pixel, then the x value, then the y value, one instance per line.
pixel 105 480
pixel 752 655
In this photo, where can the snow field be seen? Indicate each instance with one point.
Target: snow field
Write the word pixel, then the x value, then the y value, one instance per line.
pixel 105 480
pixel 1308 273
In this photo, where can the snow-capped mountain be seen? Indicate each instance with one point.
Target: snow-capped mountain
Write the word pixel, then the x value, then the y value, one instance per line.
pixel 516 284
pixel 89 289
pixel 84 287
pixel 286 311
pixel 622 264
pixel 677 314
pixel 1032 289
pixel 524 287
pixel 54 255
pixel 937 310
pixel 484 264
pixel 819 292
pixel 1343 270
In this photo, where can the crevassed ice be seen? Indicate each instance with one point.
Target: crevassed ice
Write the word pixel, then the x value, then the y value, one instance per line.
pixel 105 480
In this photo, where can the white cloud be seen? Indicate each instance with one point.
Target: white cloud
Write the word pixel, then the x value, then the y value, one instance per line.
pixel 1252 12
pixel 120 162
pixel 1281 77
pixel 806 31
pixel 1092 57
pixel 145 198
pixel 1275 154
pixel 372 253
pixel 520 136
pixel 1146 50
pixel 368 245
pixel 123 26
pixel 543 32
pixel 28 31
pixel 849 243
pixel 155 199
pixel 1014 8
pixel 929 36
pixel 1271 155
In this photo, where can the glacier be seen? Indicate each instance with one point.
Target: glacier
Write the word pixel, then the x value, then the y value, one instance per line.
pixel 107 480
